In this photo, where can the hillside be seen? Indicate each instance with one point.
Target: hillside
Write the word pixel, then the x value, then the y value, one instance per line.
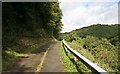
pixel 99 43
pixel 28 26
pixel 100 31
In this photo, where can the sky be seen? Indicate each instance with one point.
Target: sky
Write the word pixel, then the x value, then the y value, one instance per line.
pixel 82 13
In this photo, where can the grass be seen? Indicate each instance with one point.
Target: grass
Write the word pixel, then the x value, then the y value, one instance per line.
pixel 71 65
pixel 9 58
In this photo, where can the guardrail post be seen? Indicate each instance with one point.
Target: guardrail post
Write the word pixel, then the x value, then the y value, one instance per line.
pixel 64 48
pixel 75 59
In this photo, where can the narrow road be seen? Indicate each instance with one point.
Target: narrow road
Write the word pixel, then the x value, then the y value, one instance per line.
pixel 44 59
pixel 53 61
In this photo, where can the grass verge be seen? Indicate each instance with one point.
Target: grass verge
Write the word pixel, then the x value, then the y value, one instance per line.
pixel 71 65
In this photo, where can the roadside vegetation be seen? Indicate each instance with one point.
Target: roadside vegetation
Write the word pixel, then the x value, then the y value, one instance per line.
pixel 97 44
pixel 26 27
pixel 70 64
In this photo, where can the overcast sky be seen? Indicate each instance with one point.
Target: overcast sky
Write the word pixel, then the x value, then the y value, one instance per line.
pixel 81 13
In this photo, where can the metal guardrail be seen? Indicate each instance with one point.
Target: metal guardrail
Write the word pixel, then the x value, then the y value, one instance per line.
pixel 92 66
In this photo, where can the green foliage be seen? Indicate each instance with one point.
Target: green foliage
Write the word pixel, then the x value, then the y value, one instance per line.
pixel 90 42
pixel 100 42
pixel 25 26
pixel 30 20
pixel 70 67
pixel 32 16
pixel 70 64
pixel 104 53
pixel 99 30
pixel 8 57
pixel 79 48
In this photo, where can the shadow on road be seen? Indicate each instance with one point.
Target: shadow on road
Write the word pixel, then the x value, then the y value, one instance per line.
pixel 28 65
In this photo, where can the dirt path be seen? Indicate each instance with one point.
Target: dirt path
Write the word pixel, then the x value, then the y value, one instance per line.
pixel 52 62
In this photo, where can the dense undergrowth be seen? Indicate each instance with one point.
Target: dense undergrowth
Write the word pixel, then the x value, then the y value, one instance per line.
pixel 26 27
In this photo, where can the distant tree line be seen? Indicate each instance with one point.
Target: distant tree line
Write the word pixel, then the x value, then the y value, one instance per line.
pixel 111 32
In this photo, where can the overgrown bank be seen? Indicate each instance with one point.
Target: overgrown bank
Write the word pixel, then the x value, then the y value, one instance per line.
pixel 28 26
